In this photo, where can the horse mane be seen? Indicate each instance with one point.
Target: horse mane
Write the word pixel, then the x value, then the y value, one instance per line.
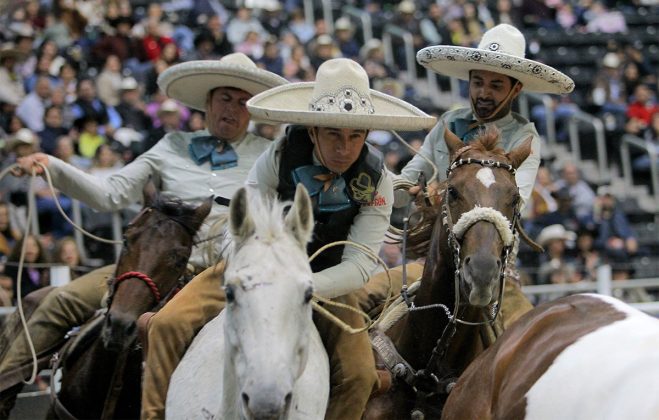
pixel 267 215
pixel 487 141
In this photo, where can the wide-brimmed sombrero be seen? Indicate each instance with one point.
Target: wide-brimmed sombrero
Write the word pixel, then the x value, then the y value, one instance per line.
pixel 501 50
pixel 340 97
pixel 190 82
pixel 8 49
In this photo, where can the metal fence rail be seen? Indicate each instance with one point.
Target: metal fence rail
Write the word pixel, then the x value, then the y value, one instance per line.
pixel 600 140
pixel 632 142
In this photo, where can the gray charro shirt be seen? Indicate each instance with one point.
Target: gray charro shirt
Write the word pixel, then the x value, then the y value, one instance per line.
pixel 368 227
pixel 514 128
pixel 170 165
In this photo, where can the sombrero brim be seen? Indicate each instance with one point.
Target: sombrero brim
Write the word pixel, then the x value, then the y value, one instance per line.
pixel 455 61
pixel 12 52
pixel 190 82
pixel 290 104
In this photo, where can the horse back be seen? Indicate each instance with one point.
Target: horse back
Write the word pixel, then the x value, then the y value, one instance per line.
pixel 497 383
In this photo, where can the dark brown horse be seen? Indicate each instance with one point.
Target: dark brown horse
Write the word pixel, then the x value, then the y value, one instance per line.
pixel 472 235
pixel 102 369
pixel 580 357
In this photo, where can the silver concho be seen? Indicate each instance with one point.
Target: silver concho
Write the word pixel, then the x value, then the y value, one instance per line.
pixel 346 100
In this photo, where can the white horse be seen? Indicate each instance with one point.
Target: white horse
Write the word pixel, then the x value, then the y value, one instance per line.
pixel 262 357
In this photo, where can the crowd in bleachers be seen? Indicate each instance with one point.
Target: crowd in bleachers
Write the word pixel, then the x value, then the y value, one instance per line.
pixel 78 81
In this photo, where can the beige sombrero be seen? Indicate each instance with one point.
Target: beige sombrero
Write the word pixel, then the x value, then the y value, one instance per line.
pixel 340 97
pixel 8 49
pixel 190 82
pixel 501 50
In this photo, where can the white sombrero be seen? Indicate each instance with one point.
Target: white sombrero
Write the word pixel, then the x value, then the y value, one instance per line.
pixel 501 51
pixel 340 97
pixel 190 82
pixel 555 232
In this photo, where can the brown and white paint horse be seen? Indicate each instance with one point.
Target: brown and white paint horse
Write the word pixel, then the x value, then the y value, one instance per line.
pixel 462 278
pixel 584 356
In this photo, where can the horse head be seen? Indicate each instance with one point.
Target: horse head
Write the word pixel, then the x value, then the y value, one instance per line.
pixel 157 246
pixel 480 205
pixel 268 285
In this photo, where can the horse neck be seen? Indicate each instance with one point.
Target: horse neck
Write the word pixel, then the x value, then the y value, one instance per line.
pixel 425 327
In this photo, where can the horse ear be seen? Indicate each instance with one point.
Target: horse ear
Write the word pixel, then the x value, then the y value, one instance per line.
pixel 520 153
pixel 300 218
pixel 452 141
pixel 150 193
pixel 240 221
pixel 201 212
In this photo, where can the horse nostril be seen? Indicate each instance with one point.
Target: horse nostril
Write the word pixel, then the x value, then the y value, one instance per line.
pixel 288 398
pixel 499 264
pixel 245 399
pixel 467 260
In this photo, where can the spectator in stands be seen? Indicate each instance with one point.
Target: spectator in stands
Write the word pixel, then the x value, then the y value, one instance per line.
pixel 10 79
pixel 215 31
pixel 344 32
pixel 42 70
pixel 108 82
pixel 542 198
pixel 8 234
pixel 643 162
pixel 582 194
pixel 555 267
pixel 22 143
pixel 243 23
pixel 32 108
pixel 131 107
pixel 52 130
pixel 299 26
pixel 169 115
pixel 588 257
pixel 323 49
pixel 640 111
pixel 608 94
pixel 155 39
pixel 117 40
pixel 271 59
pixel 90 138
pixel 32 278
pixel 433 27
pixel 615 237
pixel 65 151
pixel 88 105
pixel 372 57
pixel 298 67
pixel 506 13
pixel 67 252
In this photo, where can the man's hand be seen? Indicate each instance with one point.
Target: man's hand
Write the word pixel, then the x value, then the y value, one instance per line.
pixel 31 161
pixel 433 194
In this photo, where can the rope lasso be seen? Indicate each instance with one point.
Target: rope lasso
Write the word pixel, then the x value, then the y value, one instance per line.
pixel 333 318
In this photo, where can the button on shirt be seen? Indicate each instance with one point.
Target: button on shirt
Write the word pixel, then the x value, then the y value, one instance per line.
pixel 169 163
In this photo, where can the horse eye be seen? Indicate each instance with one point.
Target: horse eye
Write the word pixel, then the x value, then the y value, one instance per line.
pixel 453 193
pixel 307 295
pixel 230 293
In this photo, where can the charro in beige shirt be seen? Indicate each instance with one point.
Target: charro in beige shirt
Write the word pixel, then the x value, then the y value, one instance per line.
pixel 368 227
pixel 177 175
pixel 514 131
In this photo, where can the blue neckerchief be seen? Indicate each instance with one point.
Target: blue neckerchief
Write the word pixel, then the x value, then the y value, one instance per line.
pixel 204 148
pixel 465 129
pixel 331 194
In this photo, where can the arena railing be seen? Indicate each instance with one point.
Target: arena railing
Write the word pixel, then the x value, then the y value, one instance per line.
pixel 631 141
pixel 600 140
pixel 604 285
pixel 364 17
pixel 388 33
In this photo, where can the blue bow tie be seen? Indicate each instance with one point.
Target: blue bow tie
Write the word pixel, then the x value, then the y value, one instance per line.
pixel 329 188
pixel 464 128
pixel 205 148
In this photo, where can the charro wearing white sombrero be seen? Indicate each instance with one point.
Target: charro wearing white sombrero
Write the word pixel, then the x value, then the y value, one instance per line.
pixel 352 196
pixel 189 166
pixel 497 72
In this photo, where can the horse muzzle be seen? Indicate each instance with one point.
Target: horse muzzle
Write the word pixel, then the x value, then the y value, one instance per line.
pixel 265 403
pixel 480 276
pixel 119 332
